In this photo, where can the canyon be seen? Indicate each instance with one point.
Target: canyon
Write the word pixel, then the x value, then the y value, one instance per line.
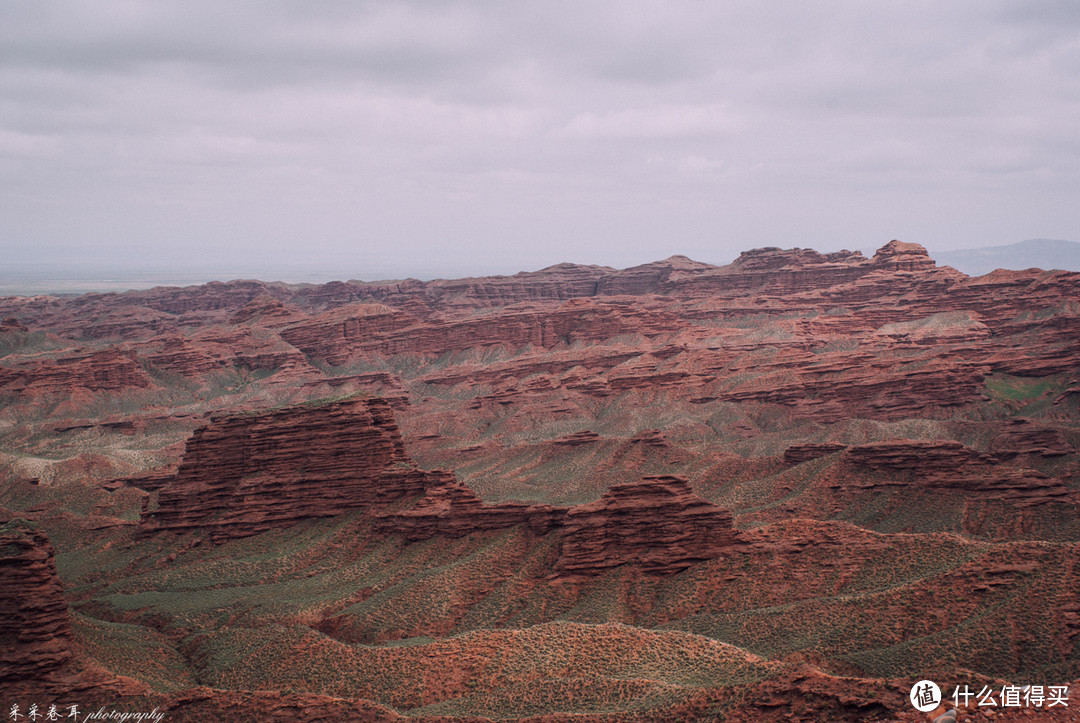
pixel 582 493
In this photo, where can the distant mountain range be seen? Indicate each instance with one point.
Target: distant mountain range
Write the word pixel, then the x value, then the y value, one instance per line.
pixel 1040 253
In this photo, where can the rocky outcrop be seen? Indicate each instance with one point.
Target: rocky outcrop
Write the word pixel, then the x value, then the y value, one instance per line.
pixel 11 324
pixel 938 457
pixel 773 257
pixel 337 334
pixel 401 293
pixel 213 296
pixel 1023 436
pixel 554 283
pixel 593 359
pixel 214 349
pixel 265 310
pixel 577 439
pixel 109 370
pixel 1009 299
pixel 386 331
pixel 960 327
pixel 803 693
pixel 900 277
pixel 840 386
pixel 149 481
pixel 798 453
pixel 127 321
pixel 776 272
pixel 451 508
pixel 657 522
pixel 184 357
pixel 381 384
pixel 900 256
pixel 34 629
pixel 246 473
pixel 952 466
pixel 202 704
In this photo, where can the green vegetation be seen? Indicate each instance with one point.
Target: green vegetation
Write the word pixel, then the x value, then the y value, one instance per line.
pixel 1018 389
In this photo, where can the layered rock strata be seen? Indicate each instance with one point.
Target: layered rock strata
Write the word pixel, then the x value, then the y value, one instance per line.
pixel 866 390
pixel 798 453
pixel 34 628
pixel 950 465
pixel 1022 436
pixel 247 473
pixel 337 335
pixel 11 325
pixel 108 370
pixel 657 522
pixel 453 509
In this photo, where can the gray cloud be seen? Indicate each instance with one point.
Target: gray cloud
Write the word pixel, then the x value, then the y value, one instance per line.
pixel 422 137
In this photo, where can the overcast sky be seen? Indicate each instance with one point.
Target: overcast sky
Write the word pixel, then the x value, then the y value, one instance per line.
pixel 437 137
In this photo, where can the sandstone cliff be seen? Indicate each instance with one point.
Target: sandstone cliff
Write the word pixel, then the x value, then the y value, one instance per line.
pixel 108 370
pixel 34 629
pixel 952 466
pixel 657 522
pixel 246 473
pixel 374 329
pixel 452 509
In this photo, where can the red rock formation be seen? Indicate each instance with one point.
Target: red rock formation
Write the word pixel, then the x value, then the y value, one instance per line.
pixel 150 480
pixel 408 294
pixel 34 629
pixel 248 473
pixel 243 474
pixel 452 509
pixel 771 271
pixel 900 275
pixel 649 278
pixel 12 324
pixel 213 296
pixel 951 465
pixel 1004 298
pixel 246 347
pixel 772 257
pixel 205 705
pixel 657 522
pixel 577 439
pixel 99 371
pixel 804 693
pixel 798 453
pixel 960 327
pixel 127 321
pixel 554 283
pixel 594 359
pixel 382 384
pixel 840 386
pixel 336 335
pixel 651 438
pixel 642 372
pixel 185 357
pixel 265 310
pixel 900 256
pixel 1023 436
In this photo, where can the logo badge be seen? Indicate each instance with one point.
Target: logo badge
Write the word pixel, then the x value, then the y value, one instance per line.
pixel 925 696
